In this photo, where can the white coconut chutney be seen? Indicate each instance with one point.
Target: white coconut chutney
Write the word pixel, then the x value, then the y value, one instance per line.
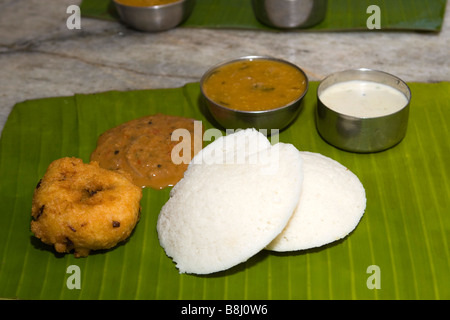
pixel 364 99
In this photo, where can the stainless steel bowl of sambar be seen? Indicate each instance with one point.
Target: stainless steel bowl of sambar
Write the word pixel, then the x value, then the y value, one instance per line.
pixel 242 93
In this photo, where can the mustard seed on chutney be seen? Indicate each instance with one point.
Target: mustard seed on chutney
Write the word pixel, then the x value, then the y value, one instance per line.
pixel 255 85
pixel 143 148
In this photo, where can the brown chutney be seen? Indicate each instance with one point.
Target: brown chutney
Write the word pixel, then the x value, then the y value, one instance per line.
pixel 143 148
pixel 255 85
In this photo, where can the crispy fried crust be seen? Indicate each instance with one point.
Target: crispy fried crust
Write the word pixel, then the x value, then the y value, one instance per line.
pixel 81 207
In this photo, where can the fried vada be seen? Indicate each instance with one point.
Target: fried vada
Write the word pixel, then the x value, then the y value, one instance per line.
pixel 81 207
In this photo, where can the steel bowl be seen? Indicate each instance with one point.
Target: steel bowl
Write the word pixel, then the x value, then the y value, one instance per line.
pixel 362 134
pixel 278 118
pixel 155 18
pixel 288 14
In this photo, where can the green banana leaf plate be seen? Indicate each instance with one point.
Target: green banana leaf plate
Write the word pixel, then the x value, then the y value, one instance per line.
pixel 341 15
pixel 400 249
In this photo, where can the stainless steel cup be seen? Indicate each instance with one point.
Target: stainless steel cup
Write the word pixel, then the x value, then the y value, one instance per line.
pixel 155 18
pixel 357 134
pixel 278 118
pixel 288 14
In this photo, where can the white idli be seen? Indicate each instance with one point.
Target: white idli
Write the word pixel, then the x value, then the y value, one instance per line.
pixel 221 214
pixel 331 205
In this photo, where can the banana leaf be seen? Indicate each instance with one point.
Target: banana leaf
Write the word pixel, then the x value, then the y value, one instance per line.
pixel 404 233
pixel 341 15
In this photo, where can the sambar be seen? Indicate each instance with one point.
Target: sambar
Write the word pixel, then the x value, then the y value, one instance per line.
pixel 255 84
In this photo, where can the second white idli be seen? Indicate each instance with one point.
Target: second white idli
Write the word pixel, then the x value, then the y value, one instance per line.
pixel 221 214
pixel 331 205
